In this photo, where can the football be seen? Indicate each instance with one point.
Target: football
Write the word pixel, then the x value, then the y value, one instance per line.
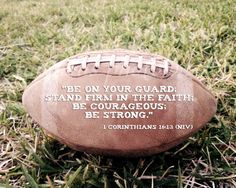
pixel 119 103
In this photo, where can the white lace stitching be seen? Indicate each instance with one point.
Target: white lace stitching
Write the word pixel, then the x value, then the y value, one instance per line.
pixel 112 59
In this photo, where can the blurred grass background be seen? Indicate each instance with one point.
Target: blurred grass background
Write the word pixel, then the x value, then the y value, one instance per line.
pixel 199 35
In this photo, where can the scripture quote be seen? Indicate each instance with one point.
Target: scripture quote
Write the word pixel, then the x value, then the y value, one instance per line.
pixel 125 101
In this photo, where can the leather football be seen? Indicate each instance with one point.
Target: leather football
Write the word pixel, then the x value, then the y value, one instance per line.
pixel 119 103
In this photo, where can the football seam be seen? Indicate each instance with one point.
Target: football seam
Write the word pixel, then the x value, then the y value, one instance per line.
pixel 110 74
pixel 126 59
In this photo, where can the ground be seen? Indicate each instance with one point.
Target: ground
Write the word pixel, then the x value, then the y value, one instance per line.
pixel 198 35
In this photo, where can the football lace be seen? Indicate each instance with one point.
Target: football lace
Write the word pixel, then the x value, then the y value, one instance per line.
pixel 112 59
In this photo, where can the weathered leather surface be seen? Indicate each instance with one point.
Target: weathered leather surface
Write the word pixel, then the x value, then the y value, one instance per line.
pixel 70 127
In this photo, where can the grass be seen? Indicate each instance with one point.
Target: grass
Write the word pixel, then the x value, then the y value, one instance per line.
pixel 199 35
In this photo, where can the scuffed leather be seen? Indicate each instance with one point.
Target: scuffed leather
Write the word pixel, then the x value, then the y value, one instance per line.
pixel 70 127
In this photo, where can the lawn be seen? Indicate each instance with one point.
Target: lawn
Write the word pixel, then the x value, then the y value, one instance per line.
pixel 198 35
